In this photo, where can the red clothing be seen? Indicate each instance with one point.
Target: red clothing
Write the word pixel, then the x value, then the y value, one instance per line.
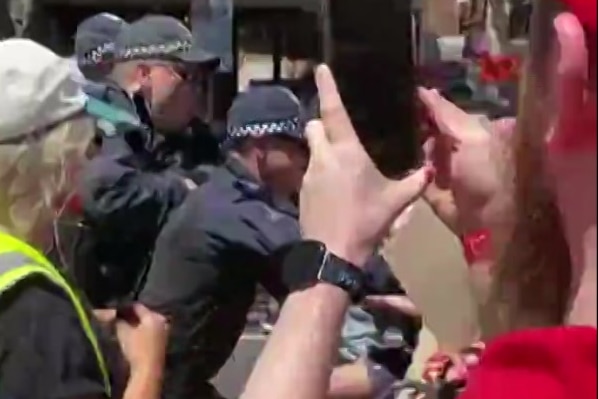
pixel 552 363
pixel 585 10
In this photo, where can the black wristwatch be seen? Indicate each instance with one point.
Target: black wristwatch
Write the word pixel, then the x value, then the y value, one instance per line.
pixel 309 262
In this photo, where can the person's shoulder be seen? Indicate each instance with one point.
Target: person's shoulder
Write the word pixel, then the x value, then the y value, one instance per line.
pixel 27 299
pixel 217 197
pixel 27 306
pixel 44 349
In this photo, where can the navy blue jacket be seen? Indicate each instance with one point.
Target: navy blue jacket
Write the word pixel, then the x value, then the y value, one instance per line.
pixel 126 195
pixel 123 186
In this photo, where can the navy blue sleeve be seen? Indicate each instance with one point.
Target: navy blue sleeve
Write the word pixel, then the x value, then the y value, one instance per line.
pixel 275 232
pixel 253 226
pixel 115 194
pixel 202 242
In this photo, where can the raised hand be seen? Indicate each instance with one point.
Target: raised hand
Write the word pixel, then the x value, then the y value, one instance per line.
pixel 346 202
pixel 469 156
pixel 143 338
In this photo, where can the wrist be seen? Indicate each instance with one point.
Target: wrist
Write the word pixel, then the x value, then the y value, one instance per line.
pixel 343 249
pixel 149 370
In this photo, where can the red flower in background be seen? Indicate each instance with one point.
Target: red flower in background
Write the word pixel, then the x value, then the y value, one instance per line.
pixel 499 68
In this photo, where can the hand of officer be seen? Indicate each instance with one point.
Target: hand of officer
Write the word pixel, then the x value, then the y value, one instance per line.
pixel 346 203
pixel 468 157
pixel 143 338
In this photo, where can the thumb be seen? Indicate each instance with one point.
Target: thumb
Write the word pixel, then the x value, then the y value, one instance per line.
pixel 399 194
pixel 141 311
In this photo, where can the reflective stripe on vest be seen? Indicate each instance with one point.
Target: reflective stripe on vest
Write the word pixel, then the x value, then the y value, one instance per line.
pixel 19 261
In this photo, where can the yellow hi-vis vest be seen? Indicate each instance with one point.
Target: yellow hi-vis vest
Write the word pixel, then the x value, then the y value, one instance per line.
pixel 19 261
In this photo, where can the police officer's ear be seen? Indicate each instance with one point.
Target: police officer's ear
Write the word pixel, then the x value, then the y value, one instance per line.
pixel 143 73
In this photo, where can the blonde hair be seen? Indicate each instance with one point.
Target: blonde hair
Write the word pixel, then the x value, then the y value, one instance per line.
pixel 36 173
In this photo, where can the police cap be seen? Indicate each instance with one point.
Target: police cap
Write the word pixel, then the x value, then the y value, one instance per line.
pixel 95 36
pixel 265 110
pixel 160 37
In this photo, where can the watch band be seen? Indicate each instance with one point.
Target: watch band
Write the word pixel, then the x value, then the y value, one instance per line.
pixel 343 274
pixel 306 263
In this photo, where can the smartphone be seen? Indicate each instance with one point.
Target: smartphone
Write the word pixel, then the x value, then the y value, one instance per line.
pixel 369 46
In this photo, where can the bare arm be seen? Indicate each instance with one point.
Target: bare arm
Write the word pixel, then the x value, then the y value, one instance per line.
pixel 306 337
pixel 145 384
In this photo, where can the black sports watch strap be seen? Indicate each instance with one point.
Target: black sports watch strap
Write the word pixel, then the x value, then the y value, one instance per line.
pixel 310 262
pixel 345 275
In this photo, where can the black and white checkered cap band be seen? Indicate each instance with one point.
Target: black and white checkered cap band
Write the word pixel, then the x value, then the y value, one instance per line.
pixel 154 50
pixel 263 128
pixel 96 55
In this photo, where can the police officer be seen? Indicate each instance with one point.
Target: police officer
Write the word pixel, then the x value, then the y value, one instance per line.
pixel 160 76
pixel 217 246
pixel 228 236
pixel 94 45
pixel 126 191
pixel 93 60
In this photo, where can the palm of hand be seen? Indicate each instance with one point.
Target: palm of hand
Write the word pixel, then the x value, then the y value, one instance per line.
pixel 476 180
pixel 346 203
pixel 351 172
pixel 467 157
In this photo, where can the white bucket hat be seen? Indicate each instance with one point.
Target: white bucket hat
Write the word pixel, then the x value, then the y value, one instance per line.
pixel 37 89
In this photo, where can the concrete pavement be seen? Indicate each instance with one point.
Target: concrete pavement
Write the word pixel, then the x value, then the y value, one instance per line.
pixel 232 377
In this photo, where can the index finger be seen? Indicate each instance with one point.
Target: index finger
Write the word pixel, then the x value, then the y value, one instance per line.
pixel 333 113
pixel 451 120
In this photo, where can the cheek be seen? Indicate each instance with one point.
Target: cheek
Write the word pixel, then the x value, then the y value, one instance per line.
pixel 185 99
pixel 162 85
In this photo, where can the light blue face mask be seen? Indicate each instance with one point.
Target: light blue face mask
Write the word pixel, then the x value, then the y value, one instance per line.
pixel 110 114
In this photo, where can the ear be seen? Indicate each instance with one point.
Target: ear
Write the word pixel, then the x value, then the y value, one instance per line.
pixel 142 73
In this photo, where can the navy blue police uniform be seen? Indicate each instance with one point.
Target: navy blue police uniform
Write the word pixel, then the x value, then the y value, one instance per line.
pixel 217 246
pixel 127 193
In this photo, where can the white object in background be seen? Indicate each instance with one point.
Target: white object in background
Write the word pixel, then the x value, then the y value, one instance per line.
pixel 451 47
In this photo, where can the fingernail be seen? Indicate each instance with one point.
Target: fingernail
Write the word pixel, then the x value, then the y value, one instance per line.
pixel 430 174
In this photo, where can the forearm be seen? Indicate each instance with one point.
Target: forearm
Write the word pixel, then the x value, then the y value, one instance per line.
pixel 145 384
pixel 299 355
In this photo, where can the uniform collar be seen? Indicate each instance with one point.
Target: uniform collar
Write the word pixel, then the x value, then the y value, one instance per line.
pixel 119 97
pixel 245 182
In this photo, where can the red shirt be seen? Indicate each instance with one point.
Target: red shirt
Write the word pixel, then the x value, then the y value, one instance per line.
pixel 552 363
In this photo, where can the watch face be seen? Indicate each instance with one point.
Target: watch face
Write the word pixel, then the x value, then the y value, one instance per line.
pixel 302 263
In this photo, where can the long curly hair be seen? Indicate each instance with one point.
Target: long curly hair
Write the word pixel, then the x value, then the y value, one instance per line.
pixel 532 279
pixel 36 175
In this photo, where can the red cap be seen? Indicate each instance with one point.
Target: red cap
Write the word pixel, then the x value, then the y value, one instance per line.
pixel 585 10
